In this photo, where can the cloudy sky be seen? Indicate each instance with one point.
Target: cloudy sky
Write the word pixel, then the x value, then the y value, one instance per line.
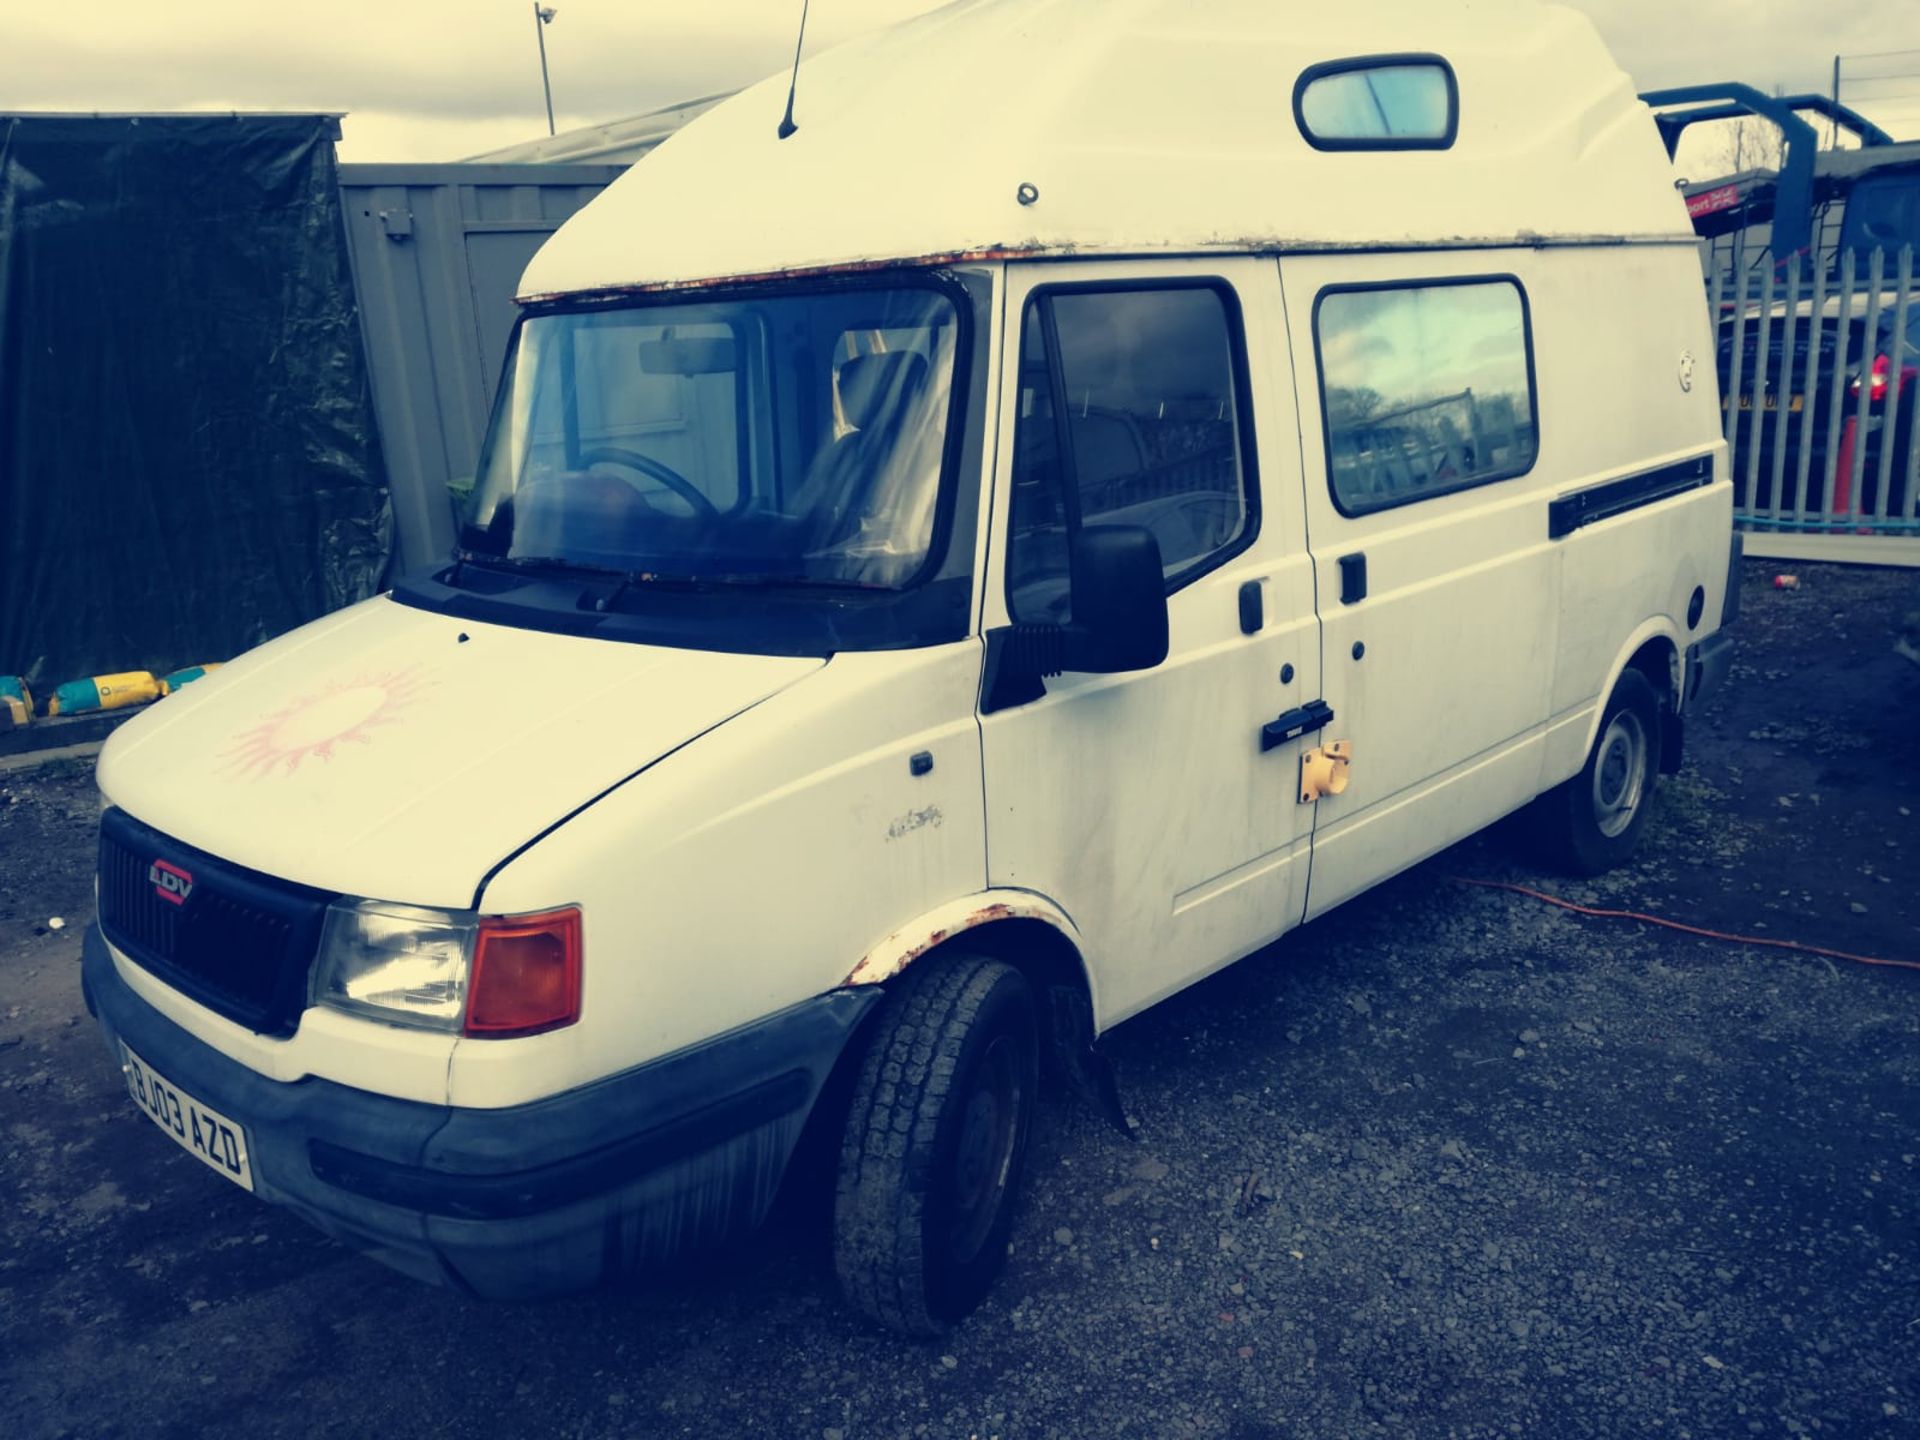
pixel 443 79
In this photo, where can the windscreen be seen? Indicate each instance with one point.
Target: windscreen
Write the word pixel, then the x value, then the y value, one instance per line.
pixel 782 438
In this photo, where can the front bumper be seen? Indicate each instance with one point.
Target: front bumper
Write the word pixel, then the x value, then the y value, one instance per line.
pixel 554 1196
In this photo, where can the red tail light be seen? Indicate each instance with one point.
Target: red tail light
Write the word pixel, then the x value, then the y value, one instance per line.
pixel 1877 382
pixel 526 975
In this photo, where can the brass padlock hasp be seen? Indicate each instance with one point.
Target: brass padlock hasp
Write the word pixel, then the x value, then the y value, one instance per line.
pixel 1324 770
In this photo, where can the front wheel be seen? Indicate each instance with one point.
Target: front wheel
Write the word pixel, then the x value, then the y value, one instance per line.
pixel 1593 822
pixel 934 1145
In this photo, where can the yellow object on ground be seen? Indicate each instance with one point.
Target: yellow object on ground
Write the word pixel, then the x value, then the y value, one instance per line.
pixel 105 692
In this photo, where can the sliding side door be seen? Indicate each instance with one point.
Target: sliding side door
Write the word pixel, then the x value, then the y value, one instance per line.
pixel 1427 488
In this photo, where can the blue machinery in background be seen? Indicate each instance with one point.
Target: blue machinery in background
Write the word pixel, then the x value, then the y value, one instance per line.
pixel 1793 190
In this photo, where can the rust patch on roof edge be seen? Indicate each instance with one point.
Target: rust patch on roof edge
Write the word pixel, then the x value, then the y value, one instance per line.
pixel 1036 250
pixel 797 272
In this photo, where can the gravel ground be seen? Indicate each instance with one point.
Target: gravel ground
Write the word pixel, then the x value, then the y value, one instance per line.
pixel 1448 1163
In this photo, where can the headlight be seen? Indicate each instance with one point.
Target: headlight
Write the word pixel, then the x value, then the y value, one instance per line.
pixel 395 962
pixel 492 977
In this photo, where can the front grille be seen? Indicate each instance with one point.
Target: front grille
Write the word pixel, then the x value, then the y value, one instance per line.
pixel 239 942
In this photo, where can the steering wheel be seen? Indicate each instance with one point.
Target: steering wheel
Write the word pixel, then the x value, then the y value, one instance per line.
pixel 656 470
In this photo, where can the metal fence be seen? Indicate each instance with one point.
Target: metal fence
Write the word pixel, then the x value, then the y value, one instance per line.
pixel 1819 366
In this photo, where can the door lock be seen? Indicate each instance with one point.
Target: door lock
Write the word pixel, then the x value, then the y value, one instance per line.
pixel 1301 720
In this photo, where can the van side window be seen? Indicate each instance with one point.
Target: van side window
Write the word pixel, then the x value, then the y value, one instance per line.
pixel 1380 102
pixel 1425 389
pixel 1129 415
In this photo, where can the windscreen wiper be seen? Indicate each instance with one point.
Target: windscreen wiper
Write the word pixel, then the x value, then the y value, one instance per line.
pixel 626 579
pixel 547 562
pixel 562 565
pixel 553 565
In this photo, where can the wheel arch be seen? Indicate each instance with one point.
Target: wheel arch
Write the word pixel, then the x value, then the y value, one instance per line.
pixel 1021 927
pixel 1655 651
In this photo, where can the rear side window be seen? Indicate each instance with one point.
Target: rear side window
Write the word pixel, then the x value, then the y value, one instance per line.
pixel 1425 389
pixel 1382 102
pixel 1130 414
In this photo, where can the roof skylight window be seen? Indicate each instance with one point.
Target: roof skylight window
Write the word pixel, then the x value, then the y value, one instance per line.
pixel 1380 102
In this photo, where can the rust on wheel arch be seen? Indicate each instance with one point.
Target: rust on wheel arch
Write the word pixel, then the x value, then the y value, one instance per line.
pixel 887 960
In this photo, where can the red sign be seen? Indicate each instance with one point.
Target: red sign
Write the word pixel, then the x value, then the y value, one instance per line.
pixel 1709 202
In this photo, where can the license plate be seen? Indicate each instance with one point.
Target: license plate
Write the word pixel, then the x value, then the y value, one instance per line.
pixel 198 1129
pixel 1772 402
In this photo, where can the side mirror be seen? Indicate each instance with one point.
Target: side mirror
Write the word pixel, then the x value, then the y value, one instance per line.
pixel 1119 620
pixel 1119 601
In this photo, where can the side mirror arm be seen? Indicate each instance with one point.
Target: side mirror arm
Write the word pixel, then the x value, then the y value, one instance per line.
pixel 1019 658
pixel 1120 624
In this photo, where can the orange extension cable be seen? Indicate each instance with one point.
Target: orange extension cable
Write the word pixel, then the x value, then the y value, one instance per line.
pixel 1600 914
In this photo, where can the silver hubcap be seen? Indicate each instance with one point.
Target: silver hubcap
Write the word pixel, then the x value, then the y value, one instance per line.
pixel 1620 774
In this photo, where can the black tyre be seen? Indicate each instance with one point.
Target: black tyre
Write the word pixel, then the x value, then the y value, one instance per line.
pixel 1593 823
pixel 935 1141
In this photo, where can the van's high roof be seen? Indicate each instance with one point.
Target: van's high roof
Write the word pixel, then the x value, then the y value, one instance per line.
pixel 1145 126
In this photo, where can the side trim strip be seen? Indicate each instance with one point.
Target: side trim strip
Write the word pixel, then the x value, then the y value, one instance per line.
pixel 1602 502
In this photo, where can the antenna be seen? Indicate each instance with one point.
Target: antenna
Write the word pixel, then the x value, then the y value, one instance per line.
pixel 787 127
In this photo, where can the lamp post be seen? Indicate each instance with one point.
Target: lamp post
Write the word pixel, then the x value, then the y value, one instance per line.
pixel 543 17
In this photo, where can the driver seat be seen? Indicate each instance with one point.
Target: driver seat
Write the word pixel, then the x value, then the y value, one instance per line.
pixel 877 394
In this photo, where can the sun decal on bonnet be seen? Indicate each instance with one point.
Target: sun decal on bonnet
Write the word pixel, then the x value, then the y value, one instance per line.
pixel 314 726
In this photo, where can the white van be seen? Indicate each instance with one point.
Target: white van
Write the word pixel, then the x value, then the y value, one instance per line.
pixel 938 584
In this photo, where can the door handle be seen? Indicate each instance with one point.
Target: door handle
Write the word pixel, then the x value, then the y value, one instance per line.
pixel 1303 720
pixel 1353 579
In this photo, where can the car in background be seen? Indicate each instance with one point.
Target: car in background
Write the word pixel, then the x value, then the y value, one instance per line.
pixel 1809 422
pixel 1784 385
pixel 1886 420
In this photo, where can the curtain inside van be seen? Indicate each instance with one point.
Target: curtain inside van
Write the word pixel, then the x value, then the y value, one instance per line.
pixel 188 461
